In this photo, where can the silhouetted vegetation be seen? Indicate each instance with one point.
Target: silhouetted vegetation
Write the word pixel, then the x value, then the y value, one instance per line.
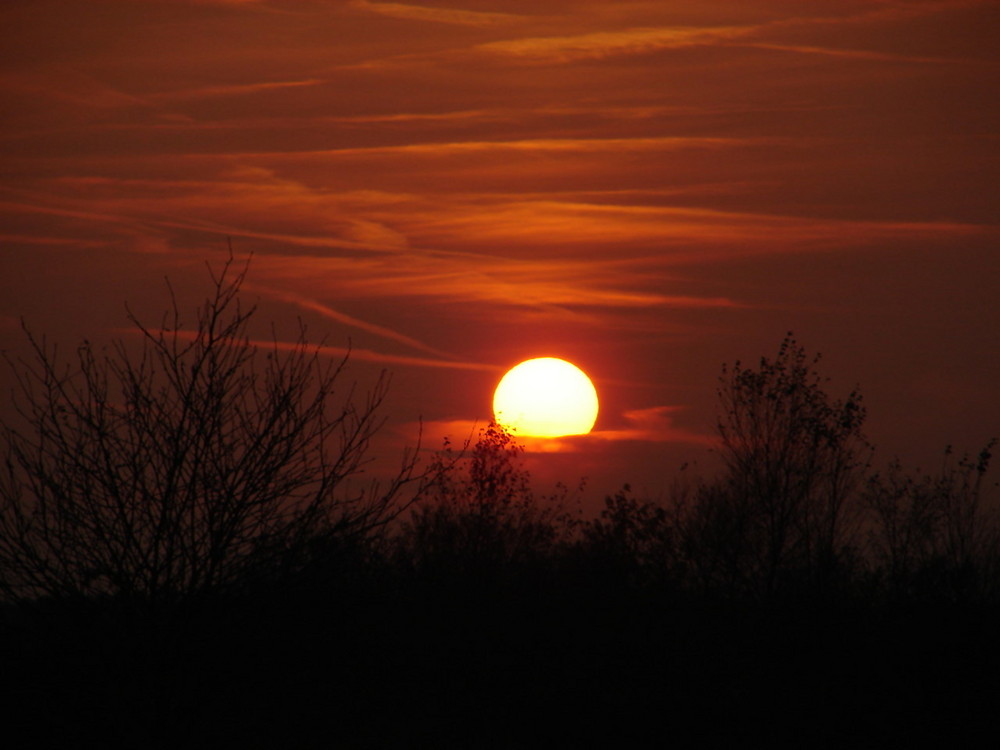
pixel 935 536
pixel 481 522
pixel 183 470
pixel 793 459
pixel 184 563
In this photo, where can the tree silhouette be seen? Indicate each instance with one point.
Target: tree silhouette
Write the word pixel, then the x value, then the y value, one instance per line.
pixel 792 459
pixel 935 535
pixel 483 519
pixel 185 468
pixel 635 541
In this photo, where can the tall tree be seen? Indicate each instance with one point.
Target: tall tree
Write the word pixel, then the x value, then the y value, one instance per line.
pixel 793 458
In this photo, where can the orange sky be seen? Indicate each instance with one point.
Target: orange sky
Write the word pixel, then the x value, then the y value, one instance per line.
pixel 647 188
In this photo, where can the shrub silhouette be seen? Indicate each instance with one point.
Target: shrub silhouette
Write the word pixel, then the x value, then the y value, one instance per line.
pixel 482 519
pixel 185 469
pixel 933 535
pixel 635 541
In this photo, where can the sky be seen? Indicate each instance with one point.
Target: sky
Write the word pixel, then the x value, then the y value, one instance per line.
pixel 647 188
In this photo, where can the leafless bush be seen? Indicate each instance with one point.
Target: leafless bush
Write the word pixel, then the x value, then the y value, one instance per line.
pixel 186 467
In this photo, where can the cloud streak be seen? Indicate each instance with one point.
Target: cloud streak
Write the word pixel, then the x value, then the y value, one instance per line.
pixel 246 89
pixel 337 352
pixel 600 44
pixel 437 15
pixel 331 314
pixel 655 425
pixel 373 245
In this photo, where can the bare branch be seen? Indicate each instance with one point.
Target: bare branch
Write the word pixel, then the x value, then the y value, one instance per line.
pixel 186 467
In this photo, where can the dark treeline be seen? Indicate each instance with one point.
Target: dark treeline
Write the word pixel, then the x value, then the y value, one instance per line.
pixel 188 558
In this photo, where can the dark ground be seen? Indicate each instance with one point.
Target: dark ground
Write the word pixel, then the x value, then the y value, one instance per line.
pixel 386 664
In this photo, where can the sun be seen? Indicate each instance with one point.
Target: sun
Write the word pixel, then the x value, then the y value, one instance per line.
pixel 546 397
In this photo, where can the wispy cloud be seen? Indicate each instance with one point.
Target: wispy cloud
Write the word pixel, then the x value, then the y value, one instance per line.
pixel 654 424
pixel 328 312
pixel 553 145
pixel 649 425
pixel 245 89
pixel 542 282
pixel 607 43
pixel 852 54
pixel 26 207
pixel 276 122
pixel 630 227
pixel 43 240
pixel 534 252
pixel 340 352
pixel 72 86
pixel 766 35
pixel 439 15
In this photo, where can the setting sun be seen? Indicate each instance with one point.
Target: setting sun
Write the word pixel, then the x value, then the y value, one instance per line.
pixel 546 397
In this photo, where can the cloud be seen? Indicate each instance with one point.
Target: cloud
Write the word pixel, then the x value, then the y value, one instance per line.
pixel 463 433
pixel 852 54
pixel 43 240
pixel 551 145
pixel 246 89
pixel 650 425
pixel 329 312
pixel 654 424
pixel 664 232
pixel 562 49
pixel 100 216
pixel 71 86
pixel 567 253
pixel 437 15
pixel 765 35
pixel 342 352
pixel 539 283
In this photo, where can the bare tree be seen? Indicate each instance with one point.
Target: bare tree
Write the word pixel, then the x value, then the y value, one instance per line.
pixel 936 535
pixel 793 457
pixel 185 465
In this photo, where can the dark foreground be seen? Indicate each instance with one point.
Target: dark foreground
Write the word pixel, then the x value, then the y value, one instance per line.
pixel 531 665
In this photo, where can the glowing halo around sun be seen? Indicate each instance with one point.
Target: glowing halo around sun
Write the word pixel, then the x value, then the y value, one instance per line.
pixel 546 397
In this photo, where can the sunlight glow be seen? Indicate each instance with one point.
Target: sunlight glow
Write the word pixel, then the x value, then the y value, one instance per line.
pixel 546 397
